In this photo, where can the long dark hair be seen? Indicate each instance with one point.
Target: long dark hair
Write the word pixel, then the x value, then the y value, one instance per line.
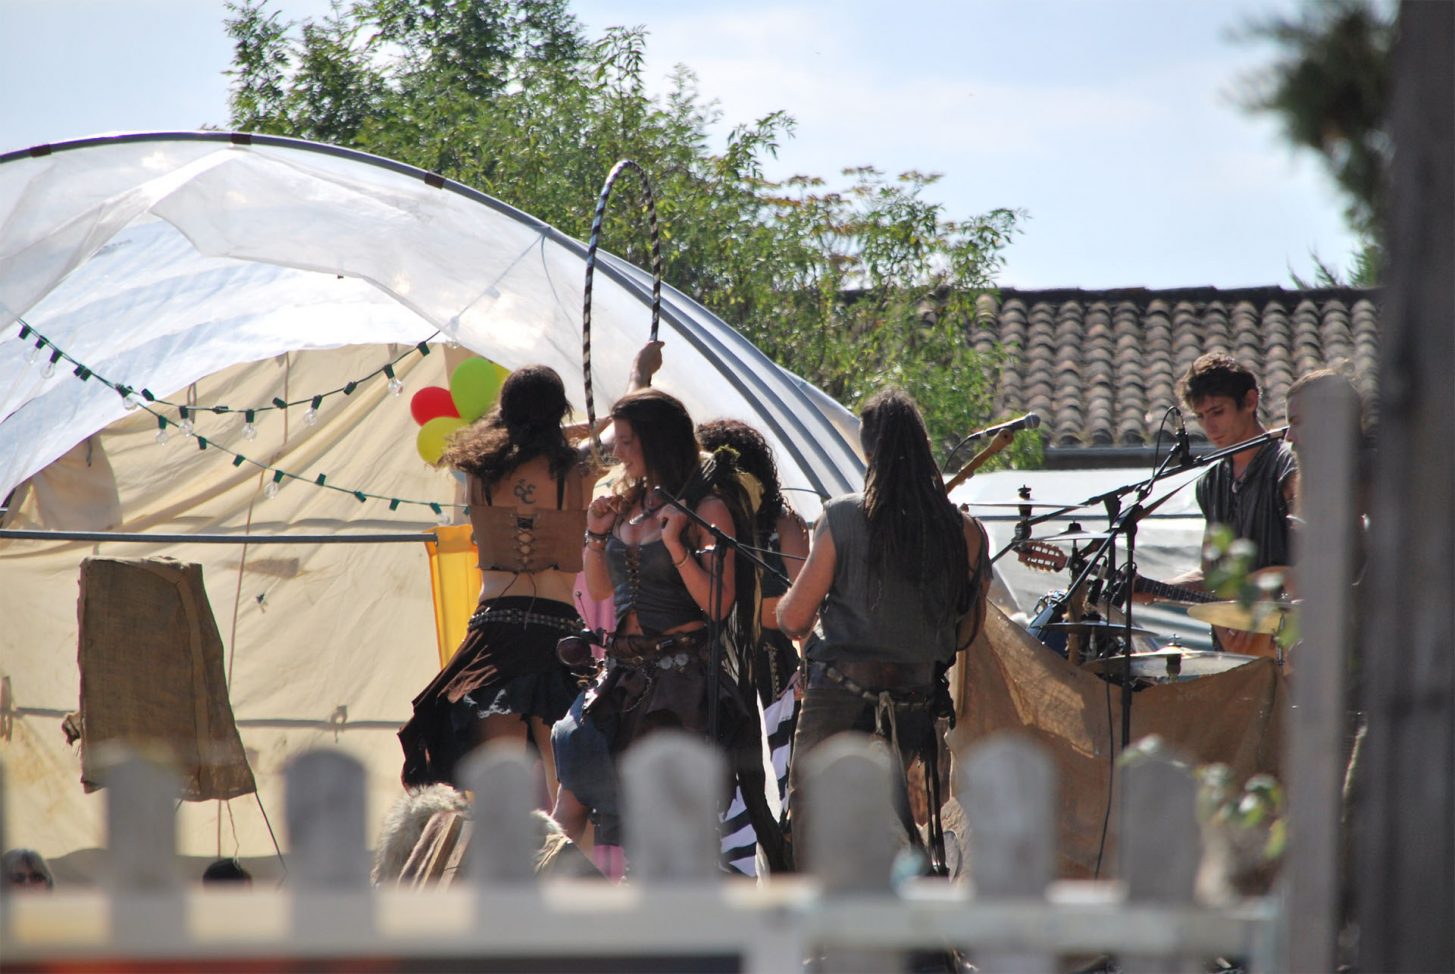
pixel 914 530
pixel 755 456
pixel 525 424
pixel 667 437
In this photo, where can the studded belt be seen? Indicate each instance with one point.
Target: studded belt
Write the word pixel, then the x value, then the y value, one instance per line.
pixel 524 617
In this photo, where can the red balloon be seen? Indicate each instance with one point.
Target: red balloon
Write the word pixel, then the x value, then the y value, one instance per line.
pixel 432 402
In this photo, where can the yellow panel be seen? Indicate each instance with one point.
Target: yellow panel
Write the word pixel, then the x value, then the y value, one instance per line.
pixel 454 578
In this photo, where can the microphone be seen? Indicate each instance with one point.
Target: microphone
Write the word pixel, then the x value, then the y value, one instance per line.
pixel 646 512
pixel 575 650
pixel 1027 422
pixel 1184 445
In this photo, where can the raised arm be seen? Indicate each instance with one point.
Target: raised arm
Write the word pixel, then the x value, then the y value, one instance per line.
pixel 799 606
pixel 695 568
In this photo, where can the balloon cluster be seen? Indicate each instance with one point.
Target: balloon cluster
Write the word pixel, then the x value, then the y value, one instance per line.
pixel 474 387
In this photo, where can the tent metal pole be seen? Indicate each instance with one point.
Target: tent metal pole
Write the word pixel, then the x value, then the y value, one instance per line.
pixel 17 534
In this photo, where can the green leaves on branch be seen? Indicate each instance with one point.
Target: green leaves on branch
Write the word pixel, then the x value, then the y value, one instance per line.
pixel 850 285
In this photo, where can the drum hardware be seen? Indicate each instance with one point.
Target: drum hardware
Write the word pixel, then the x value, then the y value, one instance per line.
pixel 1091 627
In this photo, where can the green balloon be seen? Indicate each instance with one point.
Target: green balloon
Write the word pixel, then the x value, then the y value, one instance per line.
pixel 475 386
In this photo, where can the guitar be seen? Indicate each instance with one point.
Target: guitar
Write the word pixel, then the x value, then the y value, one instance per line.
pixel 1044 556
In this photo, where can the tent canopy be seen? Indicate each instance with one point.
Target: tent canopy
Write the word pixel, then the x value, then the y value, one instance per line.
pixel 157 260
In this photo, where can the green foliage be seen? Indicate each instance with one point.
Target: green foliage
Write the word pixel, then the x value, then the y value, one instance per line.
pixel 1330 87
pixel 850 286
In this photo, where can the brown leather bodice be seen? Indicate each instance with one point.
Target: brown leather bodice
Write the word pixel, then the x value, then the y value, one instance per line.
pixel 542 540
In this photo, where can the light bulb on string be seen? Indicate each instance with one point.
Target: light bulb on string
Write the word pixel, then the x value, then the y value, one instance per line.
pixel 249 431
pixel 50 367
pixel 310 418
pixel 34 355
pixel 270 489
pixel 186 424
pixel 128 402
pixel 396 385
pixel 162 429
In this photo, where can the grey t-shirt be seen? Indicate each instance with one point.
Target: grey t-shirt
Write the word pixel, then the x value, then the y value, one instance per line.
pixel 867 616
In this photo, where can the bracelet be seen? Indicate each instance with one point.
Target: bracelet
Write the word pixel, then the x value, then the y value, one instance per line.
pixel 678 563
pixel 600 537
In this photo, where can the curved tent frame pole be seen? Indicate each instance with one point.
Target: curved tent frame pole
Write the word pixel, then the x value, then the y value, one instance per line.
pixel 596 220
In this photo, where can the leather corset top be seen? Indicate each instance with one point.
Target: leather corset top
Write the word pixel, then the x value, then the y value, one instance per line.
pixel 510 541
pixel 644 581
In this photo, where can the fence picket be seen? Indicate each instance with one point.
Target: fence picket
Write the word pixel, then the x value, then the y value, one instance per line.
pixel 505 837
pixel 1159 847
pixel 852 836
pixel 141 825
pixel 1008 790
pixel 674 785
pixel 328 860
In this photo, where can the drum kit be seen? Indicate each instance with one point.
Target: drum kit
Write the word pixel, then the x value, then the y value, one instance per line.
pixel 1100 624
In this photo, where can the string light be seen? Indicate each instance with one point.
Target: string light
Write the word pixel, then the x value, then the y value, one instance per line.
pixel 396 387
pixel 146 400
pixel 310 418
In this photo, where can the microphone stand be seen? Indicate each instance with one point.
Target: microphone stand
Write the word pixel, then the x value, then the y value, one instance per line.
pixel 722 542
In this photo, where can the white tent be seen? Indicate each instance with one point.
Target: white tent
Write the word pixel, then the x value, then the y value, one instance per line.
pixel 226 271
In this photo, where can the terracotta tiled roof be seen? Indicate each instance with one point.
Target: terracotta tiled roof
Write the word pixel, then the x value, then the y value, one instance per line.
pixel 1099 367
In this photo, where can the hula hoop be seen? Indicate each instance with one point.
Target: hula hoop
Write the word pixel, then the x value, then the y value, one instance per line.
pixel 616 171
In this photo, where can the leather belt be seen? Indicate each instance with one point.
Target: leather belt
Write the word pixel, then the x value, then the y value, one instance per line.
pixel 675 649
pixel 875 674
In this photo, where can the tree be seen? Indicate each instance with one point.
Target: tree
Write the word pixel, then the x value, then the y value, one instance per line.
pixel 1330 87
pixel 849 287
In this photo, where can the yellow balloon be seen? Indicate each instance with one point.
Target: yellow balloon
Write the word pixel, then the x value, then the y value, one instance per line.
pixel 430 441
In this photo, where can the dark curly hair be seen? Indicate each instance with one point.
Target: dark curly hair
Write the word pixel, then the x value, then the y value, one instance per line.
pixel 755 456
pixel 525 424
pixel 1216 374
pixel 914 529
pixel 664 429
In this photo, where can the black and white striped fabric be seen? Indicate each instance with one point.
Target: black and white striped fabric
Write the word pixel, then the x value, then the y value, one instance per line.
pixel 739 840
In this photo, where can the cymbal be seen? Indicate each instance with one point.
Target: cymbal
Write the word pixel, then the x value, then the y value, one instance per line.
pixel 1260 617
pixel 1077 536
pixel 1168 664
pixel 1098 625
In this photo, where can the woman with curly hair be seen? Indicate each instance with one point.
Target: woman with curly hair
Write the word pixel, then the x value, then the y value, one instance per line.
pixel 894 586
pixel 528 492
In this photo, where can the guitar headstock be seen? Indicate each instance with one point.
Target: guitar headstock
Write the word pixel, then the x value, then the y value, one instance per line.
pixel 1041 555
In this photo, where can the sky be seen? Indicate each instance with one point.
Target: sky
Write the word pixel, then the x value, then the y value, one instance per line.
pixel 1110 123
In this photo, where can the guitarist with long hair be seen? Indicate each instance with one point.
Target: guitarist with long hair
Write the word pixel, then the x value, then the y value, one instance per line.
pixel 894 586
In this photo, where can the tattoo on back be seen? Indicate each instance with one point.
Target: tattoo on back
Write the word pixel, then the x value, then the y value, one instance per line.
pixel 525 491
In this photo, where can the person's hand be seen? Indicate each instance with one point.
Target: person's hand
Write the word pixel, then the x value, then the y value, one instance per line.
pixel 601 515
pixel 646 364
pixel 673 522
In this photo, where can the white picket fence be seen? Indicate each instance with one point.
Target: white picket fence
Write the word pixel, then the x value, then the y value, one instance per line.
pixel 678 911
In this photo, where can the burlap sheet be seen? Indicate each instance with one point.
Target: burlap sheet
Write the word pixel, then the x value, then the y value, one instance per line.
pixel 1007 681
pixel 152 675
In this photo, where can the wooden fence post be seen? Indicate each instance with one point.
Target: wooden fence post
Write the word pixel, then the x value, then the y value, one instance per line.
pixel 1008 791
pixel 328 861
pixel 851 834
pixel 141 838
pixel 1317 748
pixel 1405 809
pixel 1159 847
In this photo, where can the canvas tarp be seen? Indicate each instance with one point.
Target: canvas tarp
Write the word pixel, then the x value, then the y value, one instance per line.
pixel 218 271
pixel 1009 683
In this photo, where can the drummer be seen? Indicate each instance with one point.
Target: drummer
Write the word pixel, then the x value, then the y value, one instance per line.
pixel 1252 491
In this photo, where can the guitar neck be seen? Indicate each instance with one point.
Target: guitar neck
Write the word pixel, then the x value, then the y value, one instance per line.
pixel 1171 593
